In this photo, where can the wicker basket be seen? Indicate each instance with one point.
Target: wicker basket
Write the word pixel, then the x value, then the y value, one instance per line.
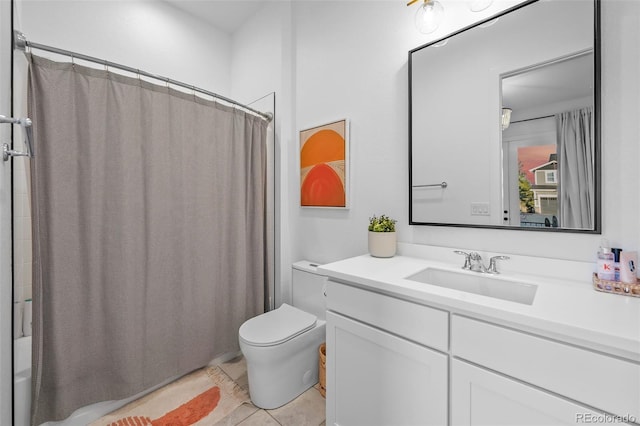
pixel 322 369
pixel 616 287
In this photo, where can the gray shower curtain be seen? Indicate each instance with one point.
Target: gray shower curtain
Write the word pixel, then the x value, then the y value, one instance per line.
pixel 576 147
pixel 148 225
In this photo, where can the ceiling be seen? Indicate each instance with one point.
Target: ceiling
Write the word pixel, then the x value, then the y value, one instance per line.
pixel 226 15
pixel 549 84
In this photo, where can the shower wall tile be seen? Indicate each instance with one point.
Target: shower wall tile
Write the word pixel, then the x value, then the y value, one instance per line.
pixel 18 294
pixel 19 170
pixel 17 205
pixel 26 206
pixel 18 226
pixel 22 246
pixel 18 249
pixel 18 281
pixel 18 273
pixel 27 253
pixel 27 274
pixel 27 291
pixel 26 230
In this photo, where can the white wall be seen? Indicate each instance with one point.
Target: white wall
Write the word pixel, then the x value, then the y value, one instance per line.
pixel 351 61
pixel 261 63
pixel 150 35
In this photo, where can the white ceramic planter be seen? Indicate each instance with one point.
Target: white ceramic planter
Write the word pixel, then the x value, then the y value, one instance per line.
pixel 382 244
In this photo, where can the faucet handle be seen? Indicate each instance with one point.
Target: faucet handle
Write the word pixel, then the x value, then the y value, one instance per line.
pixel 475 256
pixel 467 258
pixel 492 264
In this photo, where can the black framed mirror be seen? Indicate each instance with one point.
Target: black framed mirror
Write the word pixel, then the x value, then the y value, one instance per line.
pixel 504 122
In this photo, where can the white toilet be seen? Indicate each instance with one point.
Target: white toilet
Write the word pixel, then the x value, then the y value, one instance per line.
pixel 281 346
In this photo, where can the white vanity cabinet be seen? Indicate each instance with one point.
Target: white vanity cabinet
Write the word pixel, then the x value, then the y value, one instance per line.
pixel 375 374
pixel 392 360
pixel 523 379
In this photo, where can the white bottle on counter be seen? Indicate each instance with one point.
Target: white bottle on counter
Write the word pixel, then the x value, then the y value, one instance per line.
pixel 628 261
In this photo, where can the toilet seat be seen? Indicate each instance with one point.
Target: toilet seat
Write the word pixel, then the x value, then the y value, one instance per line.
pixel 277 326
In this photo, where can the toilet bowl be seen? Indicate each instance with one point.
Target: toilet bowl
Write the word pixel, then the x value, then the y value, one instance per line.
pixel 281 346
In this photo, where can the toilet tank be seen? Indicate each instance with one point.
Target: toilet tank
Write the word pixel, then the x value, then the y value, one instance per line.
pixel 307 288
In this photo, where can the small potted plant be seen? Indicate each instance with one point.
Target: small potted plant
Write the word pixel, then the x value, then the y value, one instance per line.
pixel 382 236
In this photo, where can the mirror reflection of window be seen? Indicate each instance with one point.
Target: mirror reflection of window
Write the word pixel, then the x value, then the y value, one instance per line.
pixel 540 98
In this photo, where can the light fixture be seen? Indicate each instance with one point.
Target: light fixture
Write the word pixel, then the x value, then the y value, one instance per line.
pixel 489 23
pixel 479 5
pixel 441 43
pixel 506 117
pixel 429 15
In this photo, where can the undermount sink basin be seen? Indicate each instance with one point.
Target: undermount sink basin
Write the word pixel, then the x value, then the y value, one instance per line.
pixel 474 282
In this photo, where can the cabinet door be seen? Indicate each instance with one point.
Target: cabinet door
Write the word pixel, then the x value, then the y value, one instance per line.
pixel 375 378
pixel 596 380
pixel 480 397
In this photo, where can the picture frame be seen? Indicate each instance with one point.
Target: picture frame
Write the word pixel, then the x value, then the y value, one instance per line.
pixel 324 165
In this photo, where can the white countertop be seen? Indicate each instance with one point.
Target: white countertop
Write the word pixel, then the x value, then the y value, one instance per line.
pixel 566 310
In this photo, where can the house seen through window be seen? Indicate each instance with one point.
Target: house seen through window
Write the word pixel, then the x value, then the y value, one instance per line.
pixel 538 170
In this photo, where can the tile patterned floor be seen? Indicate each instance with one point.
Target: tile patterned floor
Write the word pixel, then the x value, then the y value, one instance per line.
pixel 306 410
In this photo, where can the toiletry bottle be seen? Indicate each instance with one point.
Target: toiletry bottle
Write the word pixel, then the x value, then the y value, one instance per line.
pixel 628 262
pixel 605 262
pixel 616 263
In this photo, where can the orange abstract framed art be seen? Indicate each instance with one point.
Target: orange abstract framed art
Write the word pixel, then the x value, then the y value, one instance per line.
pixel 324 152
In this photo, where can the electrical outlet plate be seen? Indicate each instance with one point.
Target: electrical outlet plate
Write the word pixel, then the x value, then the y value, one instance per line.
pixel 480 209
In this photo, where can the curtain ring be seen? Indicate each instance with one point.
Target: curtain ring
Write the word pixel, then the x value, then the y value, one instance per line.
pixel 167 80
pixel 138 74
pixel 106 66
pixel 73 63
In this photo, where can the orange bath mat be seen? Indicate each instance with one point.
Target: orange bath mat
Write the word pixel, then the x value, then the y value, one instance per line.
pixel 200 398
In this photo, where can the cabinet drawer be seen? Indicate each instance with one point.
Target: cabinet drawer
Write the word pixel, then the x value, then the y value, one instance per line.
pixel 418 323
pixel 376 378
pixel 595 379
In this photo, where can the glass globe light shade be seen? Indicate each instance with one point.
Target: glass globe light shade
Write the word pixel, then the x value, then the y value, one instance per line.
pixel 429 16
pixel 479 5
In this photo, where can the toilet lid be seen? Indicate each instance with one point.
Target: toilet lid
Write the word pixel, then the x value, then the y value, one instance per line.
pixel 276 326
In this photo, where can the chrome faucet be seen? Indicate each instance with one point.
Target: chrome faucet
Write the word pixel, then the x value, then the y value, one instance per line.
pixel 473 262
pixel 492 264
pixel 476 263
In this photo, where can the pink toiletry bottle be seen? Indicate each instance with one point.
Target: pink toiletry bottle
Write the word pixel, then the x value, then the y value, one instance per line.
pixel 605 262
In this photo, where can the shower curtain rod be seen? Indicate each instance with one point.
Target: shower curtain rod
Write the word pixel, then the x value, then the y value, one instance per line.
pixel 21 43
